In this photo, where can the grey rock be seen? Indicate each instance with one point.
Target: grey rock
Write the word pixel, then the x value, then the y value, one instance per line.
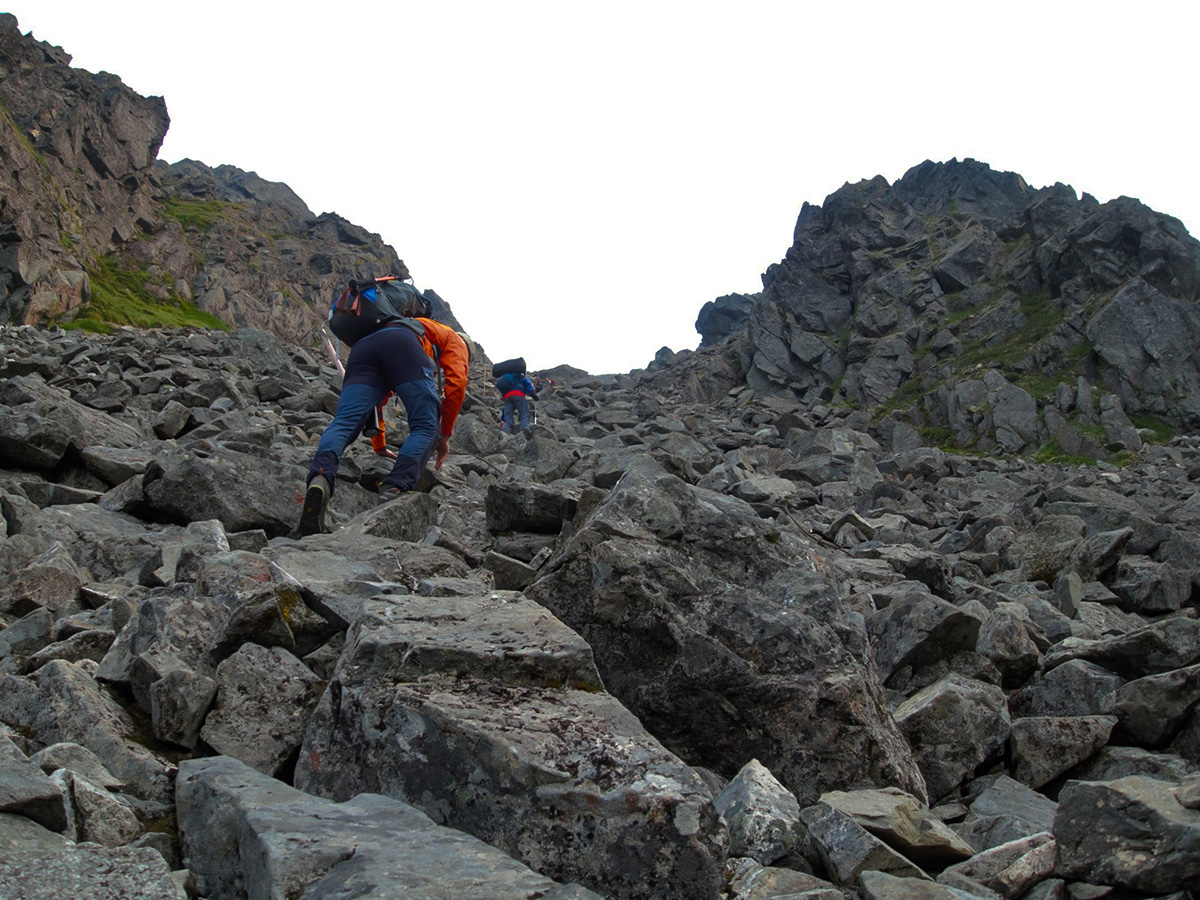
pixel 60 702
pixel 407 518
pixel 99 817
pixel 170 630
pixel 903 823
pixel 265 697
pixel 689 625
pixel 763 816
pixel 1005 640
pixel 1045 747
pixel 513 506
pixel 273 615
pixel 1013 868
pixel 748 880
pixel 918 630
pixel 883 886
pixel 242 491
pixel 1005 810
pixel 1131 832
pixel 83 645
pixel 1152 649
pixel 290 843
pixel 954 726
pixel 88 870
pixel 79 759
pixel 1145 586
pixel 1151 709
pixel 849 850
pixel 52 581
pixel 115 465
pixel 1075 688
pixel 1111 763
pixel 179 701
pixel 24 637
pixel 26 790
pixel 510 574
pixel 456 679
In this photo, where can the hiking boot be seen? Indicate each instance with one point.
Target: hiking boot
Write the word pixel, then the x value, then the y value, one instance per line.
pixel 389 493
pixel 316 501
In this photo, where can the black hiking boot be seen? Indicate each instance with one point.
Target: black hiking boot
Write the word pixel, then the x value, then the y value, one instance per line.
pixel 316 500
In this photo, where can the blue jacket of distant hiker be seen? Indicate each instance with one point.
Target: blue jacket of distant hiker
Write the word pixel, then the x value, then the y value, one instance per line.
pixel 516 390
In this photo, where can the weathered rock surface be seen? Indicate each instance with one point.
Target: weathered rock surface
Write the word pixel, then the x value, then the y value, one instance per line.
pixel 1131 832
pixel 711 624
pixel 242 830
pixel 455 678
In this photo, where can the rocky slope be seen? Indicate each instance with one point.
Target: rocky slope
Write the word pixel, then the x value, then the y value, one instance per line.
pixel 896 298
pixel 682 639
pixel 729 627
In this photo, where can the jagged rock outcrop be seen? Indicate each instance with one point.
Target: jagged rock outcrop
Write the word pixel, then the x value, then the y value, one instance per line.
pixel 76 151
pixel 93 226
pixel 931 664
pixel 966 303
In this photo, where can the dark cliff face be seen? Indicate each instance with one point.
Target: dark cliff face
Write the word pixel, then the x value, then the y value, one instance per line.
pixel 89 218
pixel 74 181
pixel 893 297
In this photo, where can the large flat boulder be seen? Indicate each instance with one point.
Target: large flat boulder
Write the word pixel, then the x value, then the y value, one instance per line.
pixel 240 830
pixel 488 714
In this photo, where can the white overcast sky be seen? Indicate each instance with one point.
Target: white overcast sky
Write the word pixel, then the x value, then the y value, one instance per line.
pixel 577 180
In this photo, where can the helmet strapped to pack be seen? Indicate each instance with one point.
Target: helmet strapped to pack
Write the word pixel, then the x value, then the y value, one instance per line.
pixel 368 305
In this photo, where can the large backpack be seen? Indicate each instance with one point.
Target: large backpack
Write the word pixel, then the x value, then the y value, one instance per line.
pixel 515 366
pixel 366 306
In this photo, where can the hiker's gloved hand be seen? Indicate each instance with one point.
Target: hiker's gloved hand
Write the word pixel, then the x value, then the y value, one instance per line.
pixel 442 448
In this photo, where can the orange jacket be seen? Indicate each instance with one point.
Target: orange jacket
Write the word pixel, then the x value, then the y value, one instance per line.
pixel 443 345
pixel 451 357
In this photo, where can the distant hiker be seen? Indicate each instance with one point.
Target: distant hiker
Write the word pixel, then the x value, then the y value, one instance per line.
pixel 395 348
pixel 516 389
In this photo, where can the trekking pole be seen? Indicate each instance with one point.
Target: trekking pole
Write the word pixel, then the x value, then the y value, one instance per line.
pixel 337 360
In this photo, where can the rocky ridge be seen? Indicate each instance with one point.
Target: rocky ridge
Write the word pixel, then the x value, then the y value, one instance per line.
pixel 93 226
pixel 681 639
pixel 898 298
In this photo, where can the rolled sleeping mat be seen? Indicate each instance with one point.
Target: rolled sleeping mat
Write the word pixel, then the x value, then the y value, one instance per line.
pixel 509 367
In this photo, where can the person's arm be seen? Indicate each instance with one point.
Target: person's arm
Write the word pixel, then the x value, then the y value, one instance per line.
pixel 452 360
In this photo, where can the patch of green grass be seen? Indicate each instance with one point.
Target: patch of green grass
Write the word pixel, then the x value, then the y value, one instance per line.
pixel 1040 387
pixel 1080 351
pixel 1160 431
pixel 198 214
pixel 120 297
pixel 910 391
pixel 1052 454
pixel 937 435
pixel 1041 318
pixel 1011 246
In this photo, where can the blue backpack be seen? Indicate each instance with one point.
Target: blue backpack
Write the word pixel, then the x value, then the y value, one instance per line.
pixel 510 381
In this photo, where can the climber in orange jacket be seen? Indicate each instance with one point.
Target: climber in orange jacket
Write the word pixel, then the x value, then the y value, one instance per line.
pixel 400 351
